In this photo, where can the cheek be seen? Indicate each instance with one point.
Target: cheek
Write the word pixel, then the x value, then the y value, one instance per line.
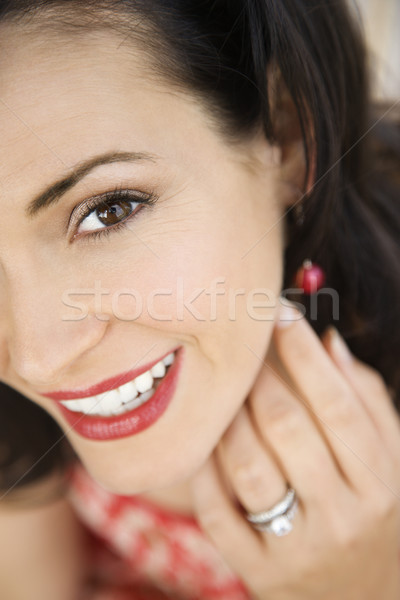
pixel 202 269
pixel 193 281
pixel 207 264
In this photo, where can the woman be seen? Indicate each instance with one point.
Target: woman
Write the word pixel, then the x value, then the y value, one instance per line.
pixel 170 173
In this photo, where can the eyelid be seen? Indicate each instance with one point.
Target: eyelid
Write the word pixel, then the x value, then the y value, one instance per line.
pixel 81 211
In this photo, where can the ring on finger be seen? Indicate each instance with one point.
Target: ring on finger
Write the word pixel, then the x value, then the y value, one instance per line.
pixel 278 519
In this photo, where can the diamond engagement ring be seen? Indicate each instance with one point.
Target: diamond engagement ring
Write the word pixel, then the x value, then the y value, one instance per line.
pixel 278 519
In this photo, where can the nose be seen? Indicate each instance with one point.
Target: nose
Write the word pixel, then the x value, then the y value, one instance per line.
pixel 42 343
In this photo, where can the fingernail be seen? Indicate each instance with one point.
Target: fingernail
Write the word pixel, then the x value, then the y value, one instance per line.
pixel 288 314
pixel 338 345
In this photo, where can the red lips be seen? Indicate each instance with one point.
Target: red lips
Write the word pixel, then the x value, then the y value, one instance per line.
pixel 101 428
pixel 103 386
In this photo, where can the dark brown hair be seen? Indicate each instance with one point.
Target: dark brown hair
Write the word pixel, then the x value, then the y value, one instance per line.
pixel 221 51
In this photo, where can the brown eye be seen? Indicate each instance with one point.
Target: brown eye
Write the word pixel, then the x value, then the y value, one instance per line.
pixel 107 214
pixel 114 213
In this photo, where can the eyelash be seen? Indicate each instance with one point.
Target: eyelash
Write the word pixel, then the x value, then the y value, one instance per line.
pixel 107 199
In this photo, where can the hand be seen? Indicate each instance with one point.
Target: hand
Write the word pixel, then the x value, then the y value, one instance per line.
pixel 325 425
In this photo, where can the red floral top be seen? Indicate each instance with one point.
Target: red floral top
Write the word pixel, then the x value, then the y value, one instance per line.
pixel 134 543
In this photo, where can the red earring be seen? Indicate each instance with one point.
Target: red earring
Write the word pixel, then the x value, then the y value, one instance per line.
pixel 309 277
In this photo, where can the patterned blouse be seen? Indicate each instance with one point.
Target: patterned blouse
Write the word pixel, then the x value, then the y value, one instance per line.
pixel 137 545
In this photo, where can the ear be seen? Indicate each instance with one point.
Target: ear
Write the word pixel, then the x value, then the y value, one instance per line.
pixel 289 137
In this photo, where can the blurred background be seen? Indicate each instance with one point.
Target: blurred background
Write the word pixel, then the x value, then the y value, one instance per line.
pixel 381 22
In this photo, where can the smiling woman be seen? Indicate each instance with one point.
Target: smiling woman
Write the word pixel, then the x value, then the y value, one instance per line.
pixel 168 172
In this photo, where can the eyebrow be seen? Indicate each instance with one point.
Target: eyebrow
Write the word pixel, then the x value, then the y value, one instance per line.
pixel 53 193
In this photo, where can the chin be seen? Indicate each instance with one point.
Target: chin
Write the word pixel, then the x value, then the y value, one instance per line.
pixel 128 480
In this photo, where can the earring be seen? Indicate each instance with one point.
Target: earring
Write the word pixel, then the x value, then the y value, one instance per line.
pixel 309 277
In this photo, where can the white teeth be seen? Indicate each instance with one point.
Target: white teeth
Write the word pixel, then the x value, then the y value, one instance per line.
pixel 144 382
pixel 74 405
pixel 124 398
pixel 109 403
pixel 128 391
pixel 120 409
pixel 147 395
pixel 158 370
pixel 139 401
pixel 168 360
pixel 91 405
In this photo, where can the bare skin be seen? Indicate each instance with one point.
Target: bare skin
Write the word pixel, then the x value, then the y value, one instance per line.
pixel 257 406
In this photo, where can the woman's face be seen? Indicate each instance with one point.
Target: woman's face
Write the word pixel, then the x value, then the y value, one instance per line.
pixel 84 300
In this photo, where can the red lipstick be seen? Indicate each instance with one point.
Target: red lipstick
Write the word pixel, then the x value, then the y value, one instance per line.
pixel 97 427
pixel 103 386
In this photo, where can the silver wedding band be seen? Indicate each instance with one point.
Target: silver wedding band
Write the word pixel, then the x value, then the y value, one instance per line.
pixel 278 519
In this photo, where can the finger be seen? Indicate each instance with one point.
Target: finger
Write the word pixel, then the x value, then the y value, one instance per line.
pixel 340 413
pixel 370 387
pixel 253 473
pixel 222 521
pixel 288 428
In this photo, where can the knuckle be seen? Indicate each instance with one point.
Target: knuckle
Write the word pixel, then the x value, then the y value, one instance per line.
pixel 251 480
pixel 282 418
pixel 338 409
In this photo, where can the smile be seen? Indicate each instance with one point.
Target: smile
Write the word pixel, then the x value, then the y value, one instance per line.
pixel 125 397
pixel 108 411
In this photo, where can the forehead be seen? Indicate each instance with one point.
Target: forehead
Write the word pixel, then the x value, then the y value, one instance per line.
pixel 63 99
pixel 51 86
